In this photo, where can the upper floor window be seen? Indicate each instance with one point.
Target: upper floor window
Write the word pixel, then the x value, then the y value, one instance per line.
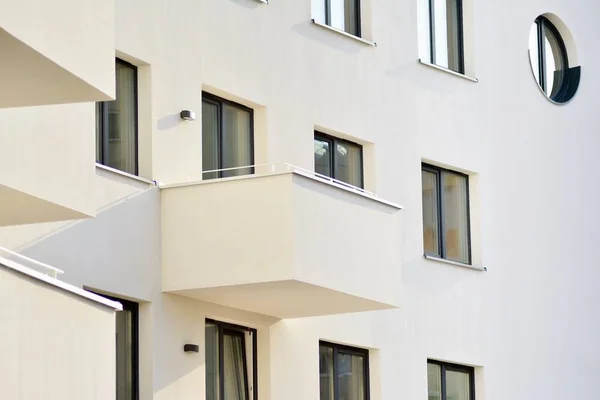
pixel 343 15
pixel 450 381
pixel 339 159
pixel 227 138
pixel 446 214
pixel 231 363
pixel 116 123
pixel 550 62
pixel 343 372
pixel 446 34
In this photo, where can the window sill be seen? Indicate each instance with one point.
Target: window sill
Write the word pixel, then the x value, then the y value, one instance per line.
pixel 263 1
pixel 449 71
pixel 348 35
pixel 455 263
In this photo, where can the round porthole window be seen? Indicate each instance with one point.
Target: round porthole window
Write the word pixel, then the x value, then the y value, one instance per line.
pixel 552 60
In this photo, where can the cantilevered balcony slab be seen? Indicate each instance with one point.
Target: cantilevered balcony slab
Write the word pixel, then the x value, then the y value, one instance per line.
pixel 282 244
pixel 56 52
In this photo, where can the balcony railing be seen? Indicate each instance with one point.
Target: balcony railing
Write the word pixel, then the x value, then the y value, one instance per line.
pixel 278 168
pixel 45 268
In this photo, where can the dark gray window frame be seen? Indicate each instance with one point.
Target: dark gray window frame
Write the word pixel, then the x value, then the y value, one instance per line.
pixel 440 217
pixel 237 330
pixel 461 41
pixel 444 366
pixel 357 17
pixel 355 351
pixel 332 140
pixel 219 102
pixel 571 76
pixel 104 126
pixel 132 307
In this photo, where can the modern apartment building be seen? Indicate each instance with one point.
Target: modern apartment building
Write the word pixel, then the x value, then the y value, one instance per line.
pixel 299 199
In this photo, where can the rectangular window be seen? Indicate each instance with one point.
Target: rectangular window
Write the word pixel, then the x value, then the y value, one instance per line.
pixel 446 231
pixel 116 123
pixel 343 15
pixel 446 34
pixel 227 138
pixel 450 381
pixel 344 372
pixel 338 159
pixel 231 362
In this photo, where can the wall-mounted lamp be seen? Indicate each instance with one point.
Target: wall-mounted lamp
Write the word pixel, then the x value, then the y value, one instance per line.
pixel 191 348
pixel 187 115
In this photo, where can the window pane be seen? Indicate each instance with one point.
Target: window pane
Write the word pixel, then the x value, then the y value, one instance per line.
pixel 210 139
pixel 554 62
pixel 343 15
pixel 99 122
pixel 453 12
pixel 322 157
pixel 237 141
pixel 457 385
pixel 455 215
pixel 121 122
pixel 430 213
pixel 326 372
pixel 125 354
pixel 434 382
pixel 348 163
pixel 534 52
pixel 233 362
pixel 211 349
pixel 350 376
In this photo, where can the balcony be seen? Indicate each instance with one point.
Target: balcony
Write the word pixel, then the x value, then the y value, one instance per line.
pixel 56 52
pixel 284 242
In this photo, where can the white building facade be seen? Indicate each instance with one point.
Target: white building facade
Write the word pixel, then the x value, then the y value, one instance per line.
pixel 315 199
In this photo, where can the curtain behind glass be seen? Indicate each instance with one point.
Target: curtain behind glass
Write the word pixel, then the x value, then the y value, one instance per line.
pixel 211 349
pixel 237 141
pixel 124 335
pixel 326 373
pixel 453 12
pixel 350 377
pixel 456 217
pixel 122 128
pixel 322 157
pixel 430 212
pixel 210 139
pixel 348 163
pixel 233 361
pixel 351 17
pixel 434 382
pixel 457 385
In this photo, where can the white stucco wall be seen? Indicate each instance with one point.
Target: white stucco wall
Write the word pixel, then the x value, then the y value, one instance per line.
pixel 55 345
pixel 529 323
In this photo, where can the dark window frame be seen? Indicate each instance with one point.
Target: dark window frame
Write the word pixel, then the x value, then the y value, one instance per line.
pixel 445 366
pixel 571 76
pixel 357 17
pixel 219 102
pixel 132 307
pixel 355 351
pixel 461 34
pixel 104 125
pixel 440 217
pixel 237 330
pixel 332 140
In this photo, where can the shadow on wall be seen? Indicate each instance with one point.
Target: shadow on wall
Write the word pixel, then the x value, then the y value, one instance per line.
pixel 117 252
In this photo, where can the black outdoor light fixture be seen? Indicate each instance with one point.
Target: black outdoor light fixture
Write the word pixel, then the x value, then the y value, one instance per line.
pixel 191 348
pixel 187 115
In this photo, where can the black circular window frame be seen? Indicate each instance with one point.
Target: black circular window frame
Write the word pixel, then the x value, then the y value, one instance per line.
pixel 571 76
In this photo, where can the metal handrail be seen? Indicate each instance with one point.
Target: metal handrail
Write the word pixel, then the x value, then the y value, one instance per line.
pixel 54 272
pixel 294 168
